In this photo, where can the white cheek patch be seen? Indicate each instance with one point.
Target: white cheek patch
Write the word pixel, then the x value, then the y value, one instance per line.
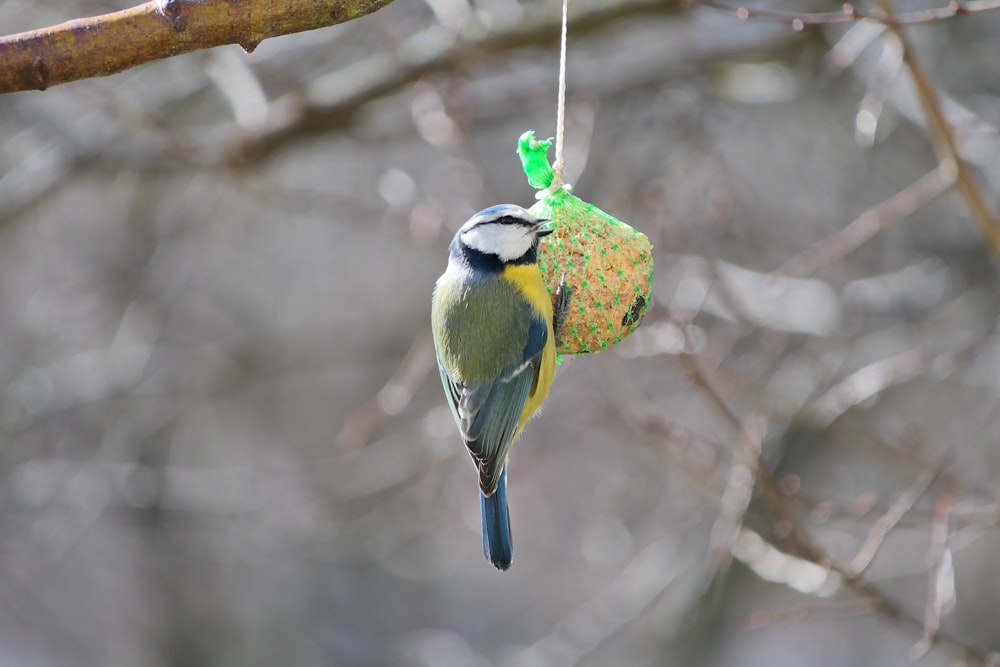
pixel 508 242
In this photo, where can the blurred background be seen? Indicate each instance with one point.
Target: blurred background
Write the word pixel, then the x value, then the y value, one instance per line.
pixel 224 441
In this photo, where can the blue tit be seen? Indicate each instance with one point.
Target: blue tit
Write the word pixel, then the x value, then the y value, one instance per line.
pixel 492 319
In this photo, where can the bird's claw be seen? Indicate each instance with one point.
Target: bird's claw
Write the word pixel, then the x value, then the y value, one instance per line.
pixel 564 294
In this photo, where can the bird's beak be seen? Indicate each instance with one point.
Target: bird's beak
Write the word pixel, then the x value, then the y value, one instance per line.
pixel 543 232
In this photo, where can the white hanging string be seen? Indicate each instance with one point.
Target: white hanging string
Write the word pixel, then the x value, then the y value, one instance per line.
pixel 557 168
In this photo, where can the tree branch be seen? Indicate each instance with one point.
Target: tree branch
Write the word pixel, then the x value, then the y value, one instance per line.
pixel 111 43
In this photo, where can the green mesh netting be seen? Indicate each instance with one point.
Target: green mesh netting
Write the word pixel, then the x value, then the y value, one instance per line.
pixel 607 263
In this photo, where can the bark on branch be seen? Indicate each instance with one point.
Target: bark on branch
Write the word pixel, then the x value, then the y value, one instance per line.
pixel 111 43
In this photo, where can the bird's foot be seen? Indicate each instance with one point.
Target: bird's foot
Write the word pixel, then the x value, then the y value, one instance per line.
pixel 563 297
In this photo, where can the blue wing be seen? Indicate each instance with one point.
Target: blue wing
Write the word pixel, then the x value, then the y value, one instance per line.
pixel 488 414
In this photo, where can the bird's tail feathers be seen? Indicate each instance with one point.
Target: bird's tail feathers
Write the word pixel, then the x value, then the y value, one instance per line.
pixel 497 545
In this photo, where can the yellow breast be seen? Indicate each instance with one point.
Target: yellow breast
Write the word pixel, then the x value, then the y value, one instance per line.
pixel 528 279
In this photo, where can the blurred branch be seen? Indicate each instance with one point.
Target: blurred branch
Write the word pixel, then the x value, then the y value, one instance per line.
pixel 392 399
pixel 941 130
pixel 941 591
pixel 762 477
pixel 639 585
pixel 875 219
pixel 111 43
pixel 944 141
pixel 849 12
pixel 800 562
pixel 331 100
pixel 882 603
pixel 881 528
pixel 38 176
pixel 865 384
pixel 832 610
pixel 736 495
pixel 804 547
pixel 699 457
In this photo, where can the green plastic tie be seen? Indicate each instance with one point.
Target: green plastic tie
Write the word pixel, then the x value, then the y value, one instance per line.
pixel 534 156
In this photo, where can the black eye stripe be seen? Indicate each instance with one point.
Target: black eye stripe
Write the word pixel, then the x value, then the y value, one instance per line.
pixel 509 220
pixel 506 220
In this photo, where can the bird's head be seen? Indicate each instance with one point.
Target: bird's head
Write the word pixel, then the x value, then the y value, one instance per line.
pixel 507 232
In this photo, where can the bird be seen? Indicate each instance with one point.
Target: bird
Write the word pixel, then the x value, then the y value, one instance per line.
pixel 495 330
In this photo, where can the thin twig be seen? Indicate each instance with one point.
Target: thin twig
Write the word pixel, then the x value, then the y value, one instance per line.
pixel 963 517
pixel 941 585
pixel 804 613
pixel 849 12
pixel 881 528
